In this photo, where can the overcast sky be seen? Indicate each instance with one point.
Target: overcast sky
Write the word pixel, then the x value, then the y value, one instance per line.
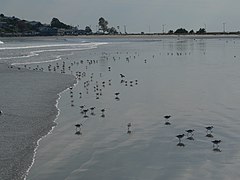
pixel 137 15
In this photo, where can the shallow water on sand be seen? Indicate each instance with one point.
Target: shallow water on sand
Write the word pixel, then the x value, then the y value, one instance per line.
pixel 196 81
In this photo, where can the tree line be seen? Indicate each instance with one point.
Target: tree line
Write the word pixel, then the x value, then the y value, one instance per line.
pixel 56 27
pixel 184 31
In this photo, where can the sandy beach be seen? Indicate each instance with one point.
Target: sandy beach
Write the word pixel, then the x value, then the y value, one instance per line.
pixel 28 100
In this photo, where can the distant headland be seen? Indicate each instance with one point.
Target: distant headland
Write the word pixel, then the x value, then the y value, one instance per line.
pixel 15 27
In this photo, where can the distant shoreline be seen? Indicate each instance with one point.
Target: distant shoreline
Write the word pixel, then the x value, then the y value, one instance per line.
pixel 157 36
pixel 136 36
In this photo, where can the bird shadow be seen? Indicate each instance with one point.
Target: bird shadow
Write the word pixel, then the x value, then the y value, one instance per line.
pixel 216 149
pixel 78 132
pixel 209 135
pixel 167 123
pixel 190 138
pixel 180 144
pixel 117 98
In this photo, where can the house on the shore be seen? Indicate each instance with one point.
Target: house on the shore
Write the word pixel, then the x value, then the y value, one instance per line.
pixel 46 30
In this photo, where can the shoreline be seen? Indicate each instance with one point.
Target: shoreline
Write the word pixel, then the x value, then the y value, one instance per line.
pixel 29 114
pixel 131 36
pixel 50 132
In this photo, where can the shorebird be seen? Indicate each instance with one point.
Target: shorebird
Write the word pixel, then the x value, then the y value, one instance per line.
pixel 190 131
pixel 209 128
pixel 117 93
pixel 85 113
pixel 180 136
pixel 216 142
pixel 78 126
pixel 167 122
pixel 92 108
pixel 1 112
pixel 122 76
pixel 103 115
pixel 82 106
pixel 167 117
pixel 129 125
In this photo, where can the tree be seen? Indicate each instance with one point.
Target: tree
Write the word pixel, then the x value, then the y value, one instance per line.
pixel 103 24
pixel 170 32
pixel 191 32
pixel 88 30
pixel 201 31
pixel 112 30
pixel 181 31
pixel 2 15
pixel 22 26
pixel 58 24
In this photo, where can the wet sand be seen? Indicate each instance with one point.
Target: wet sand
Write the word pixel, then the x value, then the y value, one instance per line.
pixel 28 100
pixel 194 81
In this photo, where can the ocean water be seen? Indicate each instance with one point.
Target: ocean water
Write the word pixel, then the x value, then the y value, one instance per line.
pixel 195 81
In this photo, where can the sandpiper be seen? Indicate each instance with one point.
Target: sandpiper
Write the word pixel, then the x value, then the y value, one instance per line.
pixel 167 116
pixel 190 131
pixel 216 142
pixel 209 128
pixel 78 126
pixel 180 136
pixel 129 125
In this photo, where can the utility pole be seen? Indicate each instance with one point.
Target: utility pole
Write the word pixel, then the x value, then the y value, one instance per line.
pixel 149 28
pixel 224 27
pixel 125 29
pixel 163 26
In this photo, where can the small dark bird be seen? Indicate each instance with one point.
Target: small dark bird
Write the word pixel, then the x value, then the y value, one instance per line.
pixel 122 76
pixel 180 136
pixel 85 111
pixel 92 108
pixel 167 122
pixel 216 142
pixel 129 125
pixel 167 116
pixel 209 128
pixel 102 110
pixel 190 131
pixel 78 126
pixel 117 93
